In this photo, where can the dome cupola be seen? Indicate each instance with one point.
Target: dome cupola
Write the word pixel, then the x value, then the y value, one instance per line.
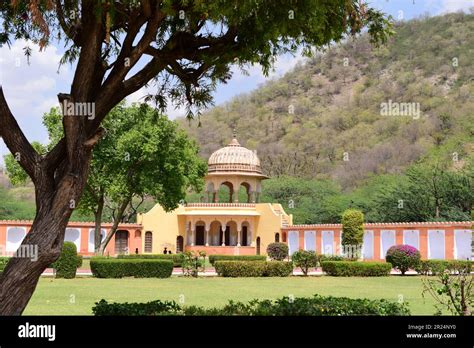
pixel 234 158
pixel 234 166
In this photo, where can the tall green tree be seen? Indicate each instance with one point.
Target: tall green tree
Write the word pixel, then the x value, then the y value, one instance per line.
pixel 15 172
pixel 310 201
pixel 143 155
pixel 352 230
pixel 184 47
pixel 429 192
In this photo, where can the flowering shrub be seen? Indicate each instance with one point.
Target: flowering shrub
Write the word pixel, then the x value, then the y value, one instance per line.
pixel 277 251
pixel 193 262
pixel 403 257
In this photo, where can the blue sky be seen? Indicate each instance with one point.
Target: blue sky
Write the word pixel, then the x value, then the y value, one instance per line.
pixel 31 89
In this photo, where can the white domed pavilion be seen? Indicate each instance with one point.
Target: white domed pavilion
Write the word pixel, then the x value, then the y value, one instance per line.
pixel 234 166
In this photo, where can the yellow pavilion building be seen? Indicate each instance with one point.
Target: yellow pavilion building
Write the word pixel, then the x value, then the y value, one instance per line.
pixel 232 227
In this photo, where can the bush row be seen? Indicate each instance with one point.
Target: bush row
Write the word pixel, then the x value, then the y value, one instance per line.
pixel 434 267
pixel 285 306
pixel 138 268
pixel 253 268
pixel 323 257
pixel 214 258
pixel 356 269
pixel 176 258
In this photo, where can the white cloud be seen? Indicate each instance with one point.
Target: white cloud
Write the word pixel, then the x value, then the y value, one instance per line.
pixel 138 97
pixel 282 65
pixel 455 5
pixel 439 7
pixel 31 89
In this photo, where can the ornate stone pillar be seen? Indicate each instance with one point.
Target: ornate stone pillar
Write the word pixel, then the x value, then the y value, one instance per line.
pixel 223 236
pixel 252 197
pixel 192 235
pixel 207 236
pixel 236 196
pixel 214 197
pixel 239 232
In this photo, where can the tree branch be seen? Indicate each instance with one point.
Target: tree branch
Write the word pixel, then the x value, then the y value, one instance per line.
pixel 70 30
pixel 16 141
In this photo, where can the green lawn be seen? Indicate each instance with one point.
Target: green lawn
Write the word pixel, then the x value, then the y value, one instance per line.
pixel 55 296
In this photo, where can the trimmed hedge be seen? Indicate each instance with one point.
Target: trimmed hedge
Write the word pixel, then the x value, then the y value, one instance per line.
pixel 240 268
pixel 352 228
pixel 285 306
pixel 68 262
pixel 80 260
pixel 214 258
pixel 103 308
pixel 435 267
pixel 335 258
pixel 253 268
pixel 278 269
pixel 356 269
pixel 176 258
pixel 3 262
pixel 138 268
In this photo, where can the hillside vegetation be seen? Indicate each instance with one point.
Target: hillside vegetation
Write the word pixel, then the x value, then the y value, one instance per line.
pixel 323 119
pixel 321 134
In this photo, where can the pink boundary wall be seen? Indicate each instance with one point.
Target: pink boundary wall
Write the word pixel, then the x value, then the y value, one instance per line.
pixel 398 227
pixel 134 235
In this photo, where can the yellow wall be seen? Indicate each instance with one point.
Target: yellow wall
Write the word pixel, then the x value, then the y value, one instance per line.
pixel 164 226
pixel 268 224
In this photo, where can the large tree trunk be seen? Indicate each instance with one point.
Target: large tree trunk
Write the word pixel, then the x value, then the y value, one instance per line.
pixel 59 176
pixel 20 277
pixel 59 182
pixel 54 207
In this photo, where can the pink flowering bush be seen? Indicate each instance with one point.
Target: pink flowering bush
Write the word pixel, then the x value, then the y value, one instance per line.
pixel 403 257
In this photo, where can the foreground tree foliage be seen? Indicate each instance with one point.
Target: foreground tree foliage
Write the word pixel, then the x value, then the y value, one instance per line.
pixel 451 288
pixel 184 47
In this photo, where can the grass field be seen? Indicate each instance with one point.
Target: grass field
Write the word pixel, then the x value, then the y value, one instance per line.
pixel 77 296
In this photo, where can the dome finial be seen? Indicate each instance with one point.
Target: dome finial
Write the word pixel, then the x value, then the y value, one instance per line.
pixel 234 141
